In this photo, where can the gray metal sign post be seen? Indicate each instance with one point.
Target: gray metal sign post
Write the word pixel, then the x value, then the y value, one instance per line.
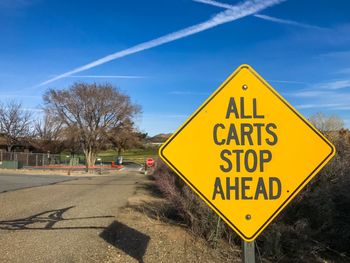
pixel 248 252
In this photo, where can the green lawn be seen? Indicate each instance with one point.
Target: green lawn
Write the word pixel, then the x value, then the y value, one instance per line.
pixel 135 155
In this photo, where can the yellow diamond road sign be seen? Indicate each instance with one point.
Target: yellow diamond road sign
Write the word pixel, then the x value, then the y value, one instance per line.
pixel 246 152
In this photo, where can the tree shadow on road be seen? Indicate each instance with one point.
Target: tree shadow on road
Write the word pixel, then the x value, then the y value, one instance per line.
pixel 49 218
pixel 129 240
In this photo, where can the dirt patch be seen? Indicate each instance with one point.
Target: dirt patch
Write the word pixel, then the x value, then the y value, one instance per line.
pixel 139 235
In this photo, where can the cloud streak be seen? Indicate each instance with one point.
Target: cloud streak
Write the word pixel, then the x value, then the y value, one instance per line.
pixel 265 17
pixel 164 116
pixel 287 22
pixel 319 106
pixel 180 92
pixel 33 109
pixel 343 71
pixel 287 81
pixel 108 76
pixel 238 11
pixel 330 99
pixel 336 54
pixel 18 95
pixel 335 85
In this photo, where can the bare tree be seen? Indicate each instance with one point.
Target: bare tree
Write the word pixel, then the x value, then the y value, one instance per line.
pixel 125 136
pixel 326 123
pixel 93 109
pixel 14 123
pixel 71 139
pixel 48 135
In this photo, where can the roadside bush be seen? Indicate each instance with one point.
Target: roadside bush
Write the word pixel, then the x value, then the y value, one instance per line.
pixel 316 224
pixel 317 220
pixel 193 212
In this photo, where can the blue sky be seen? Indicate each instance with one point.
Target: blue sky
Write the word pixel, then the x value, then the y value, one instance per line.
pixel 302 48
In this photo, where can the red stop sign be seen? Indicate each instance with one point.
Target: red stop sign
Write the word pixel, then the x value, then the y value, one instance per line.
pixel 149 162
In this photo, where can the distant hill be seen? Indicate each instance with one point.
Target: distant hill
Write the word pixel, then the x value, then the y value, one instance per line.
pixel 159 138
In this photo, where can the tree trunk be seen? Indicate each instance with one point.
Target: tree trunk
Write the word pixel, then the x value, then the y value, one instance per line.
pixel 90 159
pixel 9 148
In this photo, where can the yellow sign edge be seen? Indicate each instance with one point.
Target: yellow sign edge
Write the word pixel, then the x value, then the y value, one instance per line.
pixel 291 197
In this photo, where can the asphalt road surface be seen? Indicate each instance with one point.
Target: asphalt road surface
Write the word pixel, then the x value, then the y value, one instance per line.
pixel 69 221
pixel 10 182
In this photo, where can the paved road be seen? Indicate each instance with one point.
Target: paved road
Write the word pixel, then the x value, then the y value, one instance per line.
pixel 65 222
pixel 9 182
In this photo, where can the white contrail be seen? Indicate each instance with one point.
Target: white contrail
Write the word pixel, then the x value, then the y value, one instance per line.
pixel 265 17
pixel 108 76
pixel 287 22
pixel 214 3
pixel 246 8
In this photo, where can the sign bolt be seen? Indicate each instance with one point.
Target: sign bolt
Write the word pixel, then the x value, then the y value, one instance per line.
pixel 244 87
pixel 248 217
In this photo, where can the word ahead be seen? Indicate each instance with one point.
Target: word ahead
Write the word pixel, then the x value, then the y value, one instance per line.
pixel 246 152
